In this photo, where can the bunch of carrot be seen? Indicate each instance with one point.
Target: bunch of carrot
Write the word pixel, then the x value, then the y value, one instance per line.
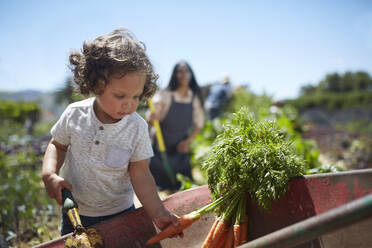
pixel 185 221
pixel 230 229
pixel 252 157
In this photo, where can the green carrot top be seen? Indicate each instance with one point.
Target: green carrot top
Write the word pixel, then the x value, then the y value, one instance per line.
pixel 251 156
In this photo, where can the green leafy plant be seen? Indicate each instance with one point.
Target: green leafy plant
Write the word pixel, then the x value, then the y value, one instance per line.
pixel 261 108
pixel 248 156
pixel 23 200
pixel 18 111
pixel 25 208
pixel 337 92
pixel 186 182
pixel 252 156
pixel 327 168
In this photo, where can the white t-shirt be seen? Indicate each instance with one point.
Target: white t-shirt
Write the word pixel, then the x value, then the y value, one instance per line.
pixel 97 159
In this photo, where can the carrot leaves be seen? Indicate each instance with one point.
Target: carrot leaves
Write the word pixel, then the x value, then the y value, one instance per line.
pixel 252 156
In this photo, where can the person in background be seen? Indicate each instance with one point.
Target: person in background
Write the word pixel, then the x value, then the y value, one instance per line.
pixel 179 111
pixel 101 145
pixel 219 95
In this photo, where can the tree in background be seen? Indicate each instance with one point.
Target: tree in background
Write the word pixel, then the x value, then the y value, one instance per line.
pixel 307 89
pixel 332 83
pixel 359 81
pixel 347 82
pixel 337 91
pixel 362 81
pixel 68 93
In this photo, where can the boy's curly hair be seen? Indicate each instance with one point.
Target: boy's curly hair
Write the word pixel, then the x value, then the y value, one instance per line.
pixel 113 54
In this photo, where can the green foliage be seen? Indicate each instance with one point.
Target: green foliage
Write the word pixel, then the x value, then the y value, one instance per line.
pixel 20 192
pixel 68 93
pixel 42 128
pixel 252 156
pixel 358 81
pixel 337 92
pixel 324 169
pixel 201 145
pixel 330 100
pixel 290 124
pixel 10 131
pixel 185 181
pixel 242 97
pixel 24 205
pixel 18 111
pixel 262 109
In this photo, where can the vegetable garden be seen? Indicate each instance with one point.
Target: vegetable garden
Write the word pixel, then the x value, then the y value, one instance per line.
pixel 259 143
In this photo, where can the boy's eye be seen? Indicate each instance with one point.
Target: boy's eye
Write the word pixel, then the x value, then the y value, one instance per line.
pixel 119 96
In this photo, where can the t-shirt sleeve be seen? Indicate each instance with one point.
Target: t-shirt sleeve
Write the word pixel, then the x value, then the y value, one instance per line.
pixel 60 131
pixel 142 149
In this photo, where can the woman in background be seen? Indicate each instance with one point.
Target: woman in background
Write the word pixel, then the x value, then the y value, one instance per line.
pixel 179 111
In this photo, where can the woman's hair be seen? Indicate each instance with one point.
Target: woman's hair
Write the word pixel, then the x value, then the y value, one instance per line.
pixel 114 54
pixel 173 83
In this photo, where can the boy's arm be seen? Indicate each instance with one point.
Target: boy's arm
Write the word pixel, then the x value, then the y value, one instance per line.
pixel 52 162
pixel 145 189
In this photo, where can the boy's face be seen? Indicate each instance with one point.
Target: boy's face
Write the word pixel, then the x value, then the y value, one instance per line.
pixel 120 97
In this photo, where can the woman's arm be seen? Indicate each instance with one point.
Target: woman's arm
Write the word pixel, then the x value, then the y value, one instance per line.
pixel 53 160
pixel 198 114
pixel 145 189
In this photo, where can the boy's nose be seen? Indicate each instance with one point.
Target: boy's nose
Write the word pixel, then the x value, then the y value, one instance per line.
pixel 127 104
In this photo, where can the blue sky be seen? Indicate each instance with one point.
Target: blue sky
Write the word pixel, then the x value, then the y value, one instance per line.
pixel 274 46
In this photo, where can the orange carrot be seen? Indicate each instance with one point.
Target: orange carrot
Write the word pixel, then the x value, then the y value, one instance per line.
pixel 222 226
pixel 237 232
pixel 222 239
pixel 209 237
pixel 184 222
pixel 243 235
pixel 229 238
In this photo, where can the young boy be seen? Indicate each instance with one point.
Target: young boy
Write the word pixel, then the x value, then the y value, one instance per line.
pixel 100 146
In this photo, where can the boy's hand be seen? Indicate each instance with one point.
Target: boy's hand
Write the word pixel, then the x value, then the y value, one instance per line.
pixel 165 219
pixel 54 185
